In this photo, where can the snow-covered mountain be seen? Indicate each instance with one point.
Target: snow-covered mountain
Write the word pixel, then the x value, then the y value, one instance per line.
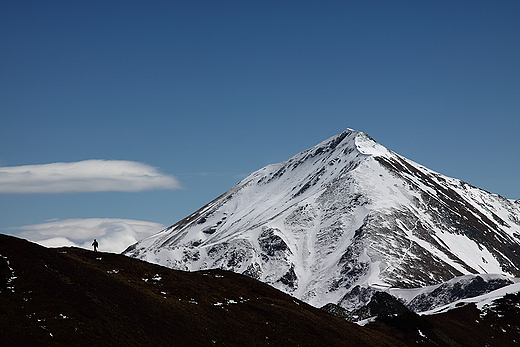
pixel 346 215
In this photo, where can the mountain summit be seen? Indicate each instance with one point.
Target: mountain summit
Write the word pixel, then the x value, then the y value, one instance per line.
pixel 343 217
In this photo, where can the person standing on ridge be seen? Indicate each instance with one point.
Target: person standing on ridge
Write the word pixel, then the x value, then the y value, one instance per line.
pixel 95 244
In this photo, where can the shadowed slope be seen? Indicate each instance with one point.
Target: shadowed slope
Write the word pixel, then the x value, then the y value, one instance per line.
pixel 70 296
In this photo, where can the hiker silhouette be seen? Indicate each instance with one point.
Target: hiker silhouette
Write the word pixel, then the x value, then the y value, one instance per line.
pixel 95 244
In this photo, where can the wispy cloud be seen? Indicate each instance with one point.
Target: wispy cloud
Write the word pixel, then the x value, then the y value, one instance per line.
pixel 114 235
pixel 84 176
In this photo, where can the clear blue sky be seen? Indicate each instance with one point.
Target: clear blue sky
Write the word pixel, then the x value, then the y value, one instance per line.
pixel 209 91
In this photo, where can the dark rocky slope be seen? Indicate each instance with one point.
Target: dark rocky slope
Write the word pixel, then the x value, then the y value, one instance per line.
pixel 75 297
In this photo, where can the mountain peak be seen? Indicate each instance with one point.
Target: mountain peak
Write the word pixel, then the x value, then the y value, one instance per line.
pixel 345 213
pixel 350 138
pixel 354 140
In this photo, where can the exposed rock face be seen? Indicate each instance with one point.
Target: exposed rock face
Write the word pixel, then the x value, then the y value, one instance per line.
pixel 454 290
pixel 345 214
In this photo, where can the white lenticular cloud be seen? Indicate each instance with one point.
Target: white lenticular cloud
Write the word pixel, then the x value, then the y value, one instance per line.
pixel 113 235
pixel 84 176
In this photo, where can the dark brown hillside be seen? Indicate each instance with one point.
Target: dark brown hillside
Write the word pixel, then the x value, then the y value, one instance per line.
pixel 75 297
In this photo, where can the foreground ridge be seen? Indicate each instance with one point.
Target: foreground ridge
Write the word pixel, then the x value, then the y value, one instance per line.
pixel 75 297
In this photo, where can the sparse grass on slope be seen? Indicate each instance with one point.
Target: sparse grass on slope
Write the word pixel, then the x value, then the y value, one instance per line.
pixel 75 297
